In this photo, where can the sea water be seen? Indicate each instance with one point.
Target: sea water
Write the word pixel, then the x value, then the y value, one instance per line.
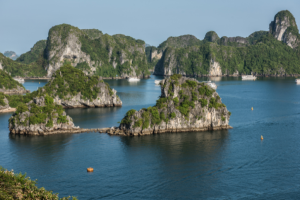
pixel 229 164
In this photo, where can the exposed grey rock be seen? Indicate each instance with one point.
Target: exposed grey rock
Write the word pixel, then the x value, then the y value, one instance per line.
pixel 284 28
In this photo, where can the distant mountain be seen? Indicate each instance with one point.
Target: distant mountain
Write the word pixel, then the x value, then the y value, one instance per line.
pixel 147 45
pixel 11 54
pixel 275 52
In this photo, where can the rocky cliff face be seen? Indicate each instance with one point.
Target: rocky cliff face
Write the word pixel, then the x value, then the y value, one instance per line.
pixel 71 88
pixel 284 28
pixel 95 53
pixel 40 117
pixel 215 69
pixel 184 105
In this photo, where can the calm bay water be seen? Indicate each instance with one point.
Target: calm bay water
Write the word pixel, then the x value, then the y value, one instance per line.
pixel 231 164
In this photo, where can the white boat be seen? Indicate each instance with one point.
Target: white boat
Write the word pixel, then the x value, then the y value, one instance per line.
pixel 133 79
pixel 20 80
pixel 297 81
pixel 212 85
pixel 248 77
pixel 157 82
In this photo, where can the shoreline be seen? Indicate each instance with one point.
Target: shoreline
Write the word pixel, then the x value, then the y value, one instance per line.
pixel 196 76
pixel 7 110
pixel 119 132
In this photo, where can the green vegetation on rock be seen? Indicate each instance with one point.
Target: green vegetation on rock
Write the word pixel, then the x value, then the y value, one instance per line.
pixel 7 82
pixel 267 56
pixel 18 186
pixel 71 81
pixel 15 68
pixel 35 53
pixel 40 114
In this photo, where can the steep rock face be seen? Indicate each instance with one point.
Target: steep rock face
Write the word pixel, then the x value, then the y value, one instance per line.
pixel 215 69
pixel 9 86
pixel 95 53
pixel 40 117
pixel 284 28
pixel 71 88
pixel 64 47
pixel 184 105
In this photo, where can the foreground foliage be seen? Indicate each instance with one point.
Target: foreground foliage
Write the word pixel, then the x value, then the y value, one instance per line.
pixel 18 186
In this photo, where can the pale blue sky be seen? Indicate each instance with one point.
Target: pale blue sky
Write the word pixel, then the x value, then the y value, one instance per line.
pixel 24 22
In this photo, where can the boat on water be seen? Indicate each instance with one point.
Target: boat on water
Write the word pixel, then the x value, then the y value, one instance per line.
pixel 297 81
pixel 248 77
pixel 157 82
pixel 133 79
pixel 212 85
pixel 20 80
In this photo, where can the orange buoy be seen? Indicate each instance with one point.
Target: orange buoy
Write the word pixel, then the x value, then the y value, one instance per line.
pixel 252 108
pixel 261 137
pixel 90 169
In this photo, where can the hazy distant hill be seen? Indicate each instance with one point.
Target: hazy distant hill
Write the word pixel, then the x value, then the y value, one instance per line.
pixel 11 54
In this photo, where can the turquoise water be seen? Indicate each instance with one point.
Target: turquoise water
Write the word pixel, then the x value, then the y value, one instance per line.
pixel 232 164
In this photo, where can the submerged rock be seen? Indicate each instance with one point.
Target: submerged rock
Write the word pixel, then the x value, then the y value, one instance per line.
pixel 185 105
pixel 40 117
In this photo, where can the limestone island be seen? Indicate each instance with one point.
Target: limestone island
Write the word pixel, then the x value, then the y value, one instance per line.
pixel 41 116
pixel 71 88
pixel 184 105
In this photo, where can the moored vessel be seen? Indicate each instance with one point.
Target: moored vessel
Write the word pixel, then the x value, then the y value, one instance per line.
pixel 157 82
pixel 297 81
pixel 248 77
pixel 212 85
pixel 132 79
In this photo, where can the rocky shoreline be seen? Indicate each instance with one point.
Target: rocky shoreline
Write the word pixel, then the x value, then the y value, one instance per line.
pixel 59 131
pixel 118 131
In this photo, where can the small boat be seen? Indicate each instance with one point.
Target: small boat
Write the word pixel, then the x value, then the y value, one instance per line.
pixel 261 137
pixel 157 82
pixel 248 77
pixel 212 85
pixel 90 169
pixel 297 81
pixel 132 79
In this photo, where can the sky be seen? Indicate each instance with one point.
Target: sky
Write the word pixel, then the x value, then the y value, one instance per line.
pixel 23 23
